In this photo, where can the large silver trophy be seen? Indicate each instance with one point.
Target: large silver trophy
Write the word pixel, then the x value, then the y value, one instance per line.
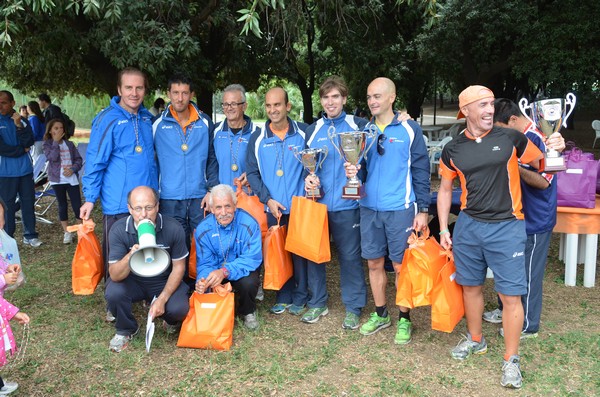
pixel 311 160
pixel 352 146
pixel 549 115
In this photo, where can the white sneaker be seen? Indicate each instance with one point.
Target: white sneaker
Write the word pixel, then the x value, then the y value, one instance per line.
pixel 8 388
pixel 68 238
pixel 494 317
pixel 260 294
pixel 34 242
pixel 110 318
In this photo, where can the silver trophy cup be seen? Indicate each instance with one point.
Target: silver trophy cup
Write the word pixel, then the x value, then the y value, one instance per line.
pixel 549 115
pixel 352 147
pixel 311 160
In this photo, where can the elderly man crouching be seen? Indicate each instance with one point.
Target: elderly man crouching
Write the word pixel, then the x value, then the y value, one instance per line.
pixel 125 287
pixel 229 249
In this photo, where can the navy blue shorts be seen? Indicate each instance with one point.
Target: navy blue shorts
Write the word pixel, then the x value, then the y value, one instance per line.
pixel 497 245
pixel 385 233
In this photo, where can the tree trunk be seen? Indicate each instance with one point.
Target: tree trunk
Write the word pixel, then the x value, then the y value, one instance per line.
pixel 204 100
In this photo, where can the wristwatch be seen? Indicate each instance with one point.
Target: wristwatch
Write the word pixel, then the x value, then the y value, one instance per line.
pixel 424 210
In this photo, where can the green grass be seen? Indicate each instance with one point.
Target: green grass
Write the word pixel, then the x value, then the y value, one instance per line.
pixel 68 353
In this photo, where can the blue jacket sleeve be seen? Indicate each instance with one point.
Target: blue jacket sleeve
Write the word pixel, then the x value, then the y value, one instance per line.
pixel 207 257
pixel 37 127
pixel 98 154
pixel 24 140
pixel 10 150
pixel 419 167
pixel 251 256
pixel 253 171
pixel 212 166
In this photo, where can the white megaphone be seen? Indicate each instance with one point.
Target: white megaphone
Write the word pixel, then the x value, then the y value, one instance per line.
pixel 149 260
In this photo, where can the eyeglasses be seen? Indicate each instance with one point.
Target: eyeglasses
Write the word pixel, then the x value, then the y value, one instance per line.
pixel 231 105
pixel 380 148
pixel 138 210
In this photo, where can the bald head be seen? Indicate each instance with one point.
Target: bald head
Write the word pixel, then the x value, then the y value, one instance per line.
pixel 277 106
pixel 143 203
pixel 384 84
pixel 381 95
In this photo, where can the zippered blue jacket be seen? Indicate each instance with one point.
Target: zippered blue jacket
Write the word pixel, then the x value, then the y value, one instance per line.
pixel 332 175
pixel 539 205
pixel 113 167
pixel 230 150
pixel 240 241
pixel 185 174
pixel 400 176
pixel 14 160
pixel 267 154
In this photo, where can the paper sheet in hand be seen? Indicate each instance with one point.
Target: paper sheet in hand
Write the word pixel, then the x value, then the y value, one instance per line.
pixel 149 329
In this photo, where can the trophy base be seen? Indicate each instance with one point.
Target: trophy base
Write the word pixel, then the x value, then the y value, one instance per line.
pixel 314 193
pixel 554 164
pixel 353 192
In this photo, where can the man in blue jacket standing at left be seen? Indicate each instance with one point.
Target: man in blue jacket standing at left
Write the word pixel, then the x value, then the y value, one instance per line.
pixel 120 155
pixel 16 171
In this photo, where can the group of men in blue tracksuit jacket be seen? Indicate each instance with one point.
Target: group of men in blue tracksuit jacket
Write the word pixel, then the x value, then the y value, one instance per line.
pixel 183 155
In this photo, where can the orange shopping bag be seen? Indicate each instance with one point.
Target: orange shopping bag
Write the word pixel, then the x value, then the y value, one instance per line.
pixel 308 230
pixel 192 258
pixel 87 266
pixel 209 323
pixel 253 206
pixel 404 287
pixel 423 260
pixel 447 306
pixel 278 261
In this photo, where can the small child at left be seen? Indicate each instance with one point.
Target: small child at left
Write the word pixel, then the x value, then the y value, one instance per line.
pixel 64 162
pixel 8 276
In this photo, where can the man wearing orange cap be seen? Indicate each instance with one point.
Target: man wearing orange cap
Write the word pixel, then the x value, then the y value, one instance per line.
pixel 490 230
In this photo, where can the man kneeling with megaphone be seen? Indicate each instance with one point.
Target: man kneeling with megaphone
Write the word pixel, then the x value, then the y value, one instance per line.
pixel 147 254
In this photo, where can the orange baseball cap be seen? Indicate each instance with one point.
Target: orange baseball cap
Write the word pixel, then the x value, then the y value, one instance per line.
pixel 471 94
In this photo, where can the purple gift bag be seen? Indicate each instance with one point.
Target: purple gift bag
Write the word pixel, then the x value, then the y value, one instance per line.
pixel 577 185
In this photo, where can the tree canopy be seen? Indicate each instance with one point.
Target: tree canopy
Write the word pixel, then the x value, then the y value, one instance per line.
pixel 517 47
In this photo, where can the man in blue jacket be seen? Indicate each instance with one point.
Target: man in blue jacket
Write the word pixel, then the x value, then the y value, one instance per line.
pixel 396 201
pixel 343 215
pixel 231 136
pixel 16 171
pixel 229 249
pixel 186 159
pixel 275 176
pixel 120 155
pixel 539 207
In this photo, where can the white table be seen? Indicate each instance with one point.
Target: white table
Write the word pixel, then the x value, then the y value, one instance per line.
pixel 579 241
pixel 432 131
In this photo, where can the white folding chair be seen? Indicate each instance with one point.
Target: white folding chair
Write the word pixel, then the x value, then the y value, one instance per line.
pixel 436 152
pixel 596 127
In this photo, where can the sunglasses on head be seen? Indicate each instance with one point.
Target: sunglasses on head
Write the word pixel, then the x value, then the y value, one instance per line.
pixel 380 148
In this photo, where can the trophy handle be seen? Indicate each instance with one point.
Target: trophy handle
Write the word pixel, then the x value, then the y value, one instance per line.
pixel 524 105
pixel 326 151
pixel 331 134
pixel 371 132
pixel 297 154
pixel 571 99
